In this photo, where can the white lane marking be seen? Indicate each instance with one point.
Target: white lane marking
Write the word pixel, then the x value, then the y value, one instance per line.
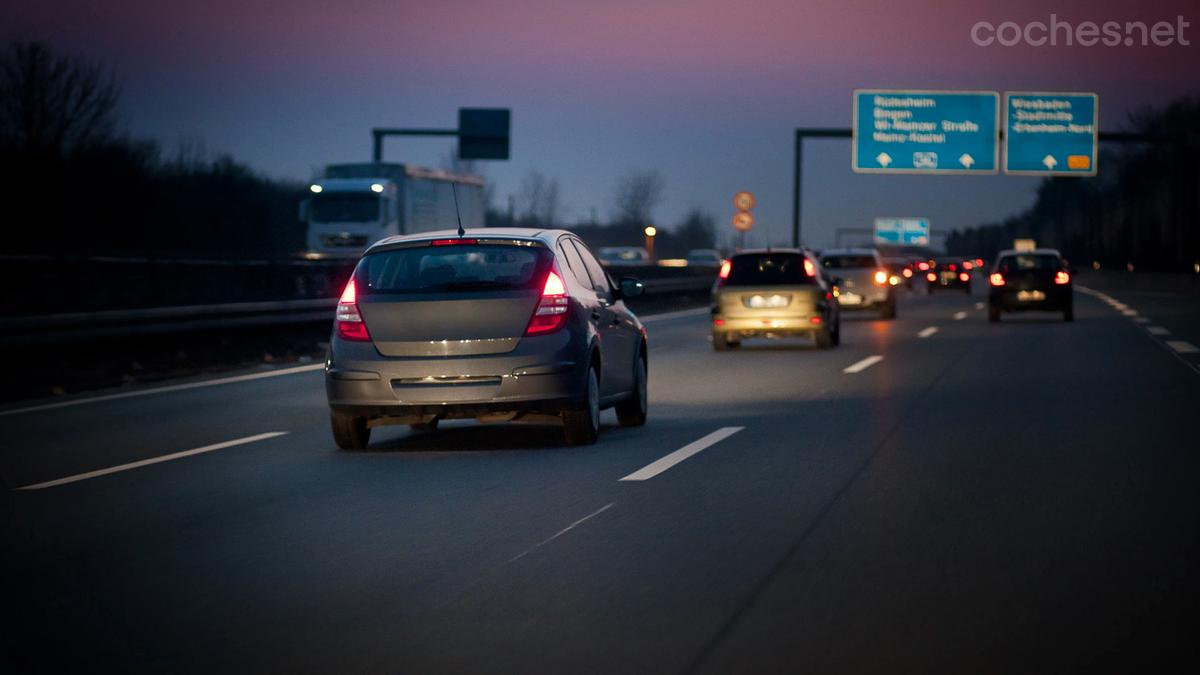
pixel 1141 319
pixel 862 365
pixel 959 316
pixel 1119 306
pixel 152 460
pixel 1129 312
pixel 1182 347
pixel 926 332
pixel 979 305
pixel 164 390
pixel 560 533
pixel 675 315
pixel 663 463
pixel 1157 330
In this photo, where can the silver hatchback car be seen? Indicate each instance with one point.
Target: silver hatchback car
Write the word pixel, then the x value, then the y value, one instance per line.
pixel 494 325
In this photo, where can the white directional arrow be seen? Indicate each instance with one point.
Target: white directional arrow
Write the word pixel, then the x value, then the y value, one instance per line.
pixel 1049 161
pixel 884 159
pixel 966 160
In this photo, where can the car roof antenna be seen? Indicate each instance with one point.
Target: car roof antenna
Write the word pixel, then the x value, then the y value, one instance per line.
pixel 461 232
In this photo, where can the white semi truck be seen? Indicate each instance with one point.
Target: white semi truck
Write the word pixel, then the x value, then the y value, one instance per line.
pixel 355 205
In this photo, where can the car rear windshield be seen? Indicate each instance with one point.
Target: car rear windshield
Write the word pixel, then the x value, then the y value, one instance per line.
pixel 843 262
pixel 1039 262
pixel 767 269
pixel 448 269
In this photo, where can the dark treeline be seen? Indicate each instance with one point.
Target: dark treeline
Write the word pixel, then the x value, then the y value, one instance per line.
pixel 73 185
pixel 1142 207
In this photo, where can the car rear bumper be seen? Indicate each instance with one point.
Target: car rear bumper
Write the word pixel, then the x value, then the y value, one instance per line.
pixel 870 299
pixel 1007 299
pixel 542 374
pixel 762 326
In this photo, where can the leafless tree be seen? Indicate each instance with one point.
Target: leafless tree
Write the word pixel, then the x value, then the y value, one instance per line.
pixel 53 105
pixel 636 196
pixel 538 201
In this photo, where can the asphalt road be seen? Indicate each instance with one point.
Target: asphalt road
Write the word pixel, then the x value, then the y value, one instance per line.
pixel 1018 497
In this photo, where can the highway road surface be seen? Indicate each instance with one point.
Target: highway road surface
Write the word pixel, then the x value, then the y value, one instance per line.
pixel 939 494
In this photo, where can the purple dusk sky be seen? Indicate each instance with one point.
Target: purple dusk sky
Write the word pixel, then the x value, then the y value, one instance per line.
pixel 707 92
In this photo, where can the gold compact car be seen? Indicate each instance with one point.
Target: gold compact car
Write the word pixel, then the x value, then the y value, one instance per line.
pixel 773 293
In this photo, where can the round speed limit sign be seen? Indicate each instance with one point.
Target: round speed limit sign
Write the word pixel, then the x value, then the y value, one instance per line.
pixel 742 221
pixel 743 201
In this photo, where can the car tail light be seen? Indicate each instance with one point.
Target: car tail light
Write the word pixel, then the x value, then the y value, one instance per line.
pixel 996 279
pixel 880 277
pixel 810 270
pixel 951 267
pixel 979 262
pixel 815 320
pixel 963 276
pixel 922 266
pixel 931 277
pixel 724 273
pixel 907 273
pixel 1061 277
pixel 894 280
pixel 551 312
pixel 349 322
pixel 453 242
pixel 718 322
pixel 967 264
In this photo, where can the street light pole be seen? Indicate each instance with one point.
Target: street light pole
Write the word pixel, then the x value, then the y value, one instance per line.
pixel 650 231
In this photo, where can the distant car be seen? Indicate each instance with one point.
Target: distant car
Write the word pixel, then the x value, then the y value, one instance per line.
pixel 861 279
pixel 773 294
pixel 623 256
pixel 950 273
pixel 900 271
pixel 496 325
pixel 704 257
pixel 1030 280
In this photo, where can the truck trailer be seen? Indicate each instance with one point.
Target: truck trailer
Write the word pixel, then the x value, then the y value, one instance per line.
pixel 355 205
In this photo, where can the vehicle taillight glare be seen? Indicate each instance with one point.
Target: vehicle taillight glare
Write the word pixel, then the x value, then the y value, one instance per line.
pixel 880 277
pixel 349 322
pixel 922 266
pixel 551 312
pixel 931 277
pixel 907 273
pixel 963 276
pixel 724 273
pixel 810 270
pixel 1061 277
pixel 996 279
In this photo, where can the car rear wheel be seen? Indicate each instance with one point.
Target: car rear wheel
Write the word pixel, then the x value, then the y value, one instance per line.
pixel 719 343
pixel 889 310
pixel 349 432
pixel 993 313
pixel 632 411
pixel 582 426
pixel 823 339
pixel 837 333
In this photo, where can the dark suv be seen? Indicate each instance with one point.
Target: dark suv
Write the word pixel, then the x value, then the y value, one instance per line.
pixel 495 325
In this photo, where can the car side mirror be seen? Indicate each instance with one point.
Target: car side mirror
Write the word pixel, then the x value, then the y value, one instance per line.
pixel 630 287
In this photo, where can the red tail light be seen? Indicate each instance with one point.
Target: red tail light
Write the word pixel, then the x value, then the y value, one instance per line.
pixel 880 277
pixel 1061 277
pixel 931 277
pixel 551 312
pixel 815 320
pixel 453 242
pixel 952 268
pixel 979 262
pixel 996 279
pixel 718 322
pixel 349 322
pixel 810 270
pixel 725 267
pixel 963 276
pixel 922 266
pixel 907 273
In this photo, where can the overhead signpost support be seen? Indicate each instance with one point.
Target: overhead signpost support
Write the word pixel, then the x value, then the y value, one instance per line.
pixel 483 133
pixel 935 132
pixel 797 175
pixel 1051 134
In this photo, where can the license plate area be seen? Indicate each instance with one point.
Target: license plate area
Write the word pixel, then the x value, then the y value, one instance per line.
pixel 1030 296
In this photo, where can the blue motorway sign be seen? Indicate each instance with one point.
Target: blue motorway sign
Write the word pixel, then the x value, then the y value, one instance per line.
pixel 1050 134
pixel 914 231
pixel 925 131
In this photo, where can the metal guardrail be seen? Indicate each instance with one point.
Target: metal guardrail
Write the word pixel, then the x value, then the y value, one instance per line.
pixel 77 326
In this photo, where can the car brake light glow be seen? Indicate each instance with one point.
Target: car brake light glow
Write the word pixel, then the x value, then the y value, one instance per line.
pixel 816 320
pixel 453 242
pixel 996 279
pixel 979 262
pixel 894 280
pixel 931 277
pixel 1061 277
pixel 951 267
pixel 718 322
pixel 551 311
pixel 349 322
pixel 880 277
pixel 967 264
pixel 809 269
pixel 907 273
pixel 724 273
pixel 963 276
pixel 922 266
